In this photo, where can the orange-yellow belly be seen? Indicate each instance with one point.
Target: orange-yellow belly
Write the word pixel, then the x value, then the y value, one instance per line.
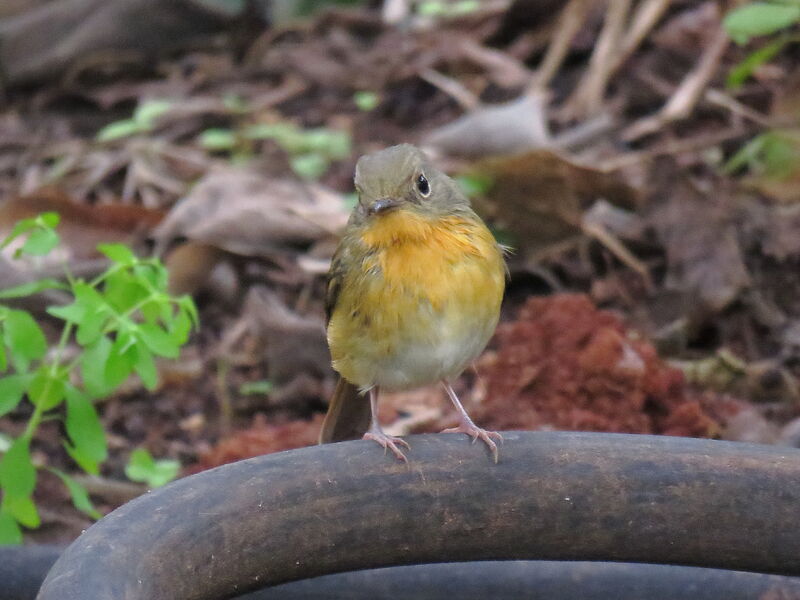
pixel 421 307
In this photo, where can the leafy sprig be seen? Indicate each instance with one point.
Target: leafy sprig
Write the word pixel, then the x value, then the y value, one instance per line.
pixel 121 322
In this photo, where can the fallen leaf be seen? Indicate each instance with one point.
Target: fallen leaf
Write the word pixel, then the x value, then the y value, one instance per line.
pixel 703 254
pixel 539 197
pixel 247 214
pixel 493 130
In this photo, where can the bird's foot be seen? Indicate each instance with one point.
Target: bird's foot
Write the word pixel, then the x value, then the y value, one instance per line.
pixel 476 432
pixel 389 443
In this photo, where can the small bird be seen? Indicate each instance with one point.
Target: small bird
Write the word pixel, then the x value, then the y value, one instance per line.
pixel 414 293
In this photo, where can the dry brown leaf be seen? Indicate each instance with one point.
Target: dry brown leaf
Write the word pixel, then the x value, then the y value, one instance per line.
pixel 540 196
pixel 295 344
pixel 703 254
pixel 245 213
pixel 516 126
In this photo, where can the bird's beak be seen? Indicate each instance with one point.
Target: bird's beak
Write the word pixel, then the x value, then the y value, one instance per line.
pixel 382 205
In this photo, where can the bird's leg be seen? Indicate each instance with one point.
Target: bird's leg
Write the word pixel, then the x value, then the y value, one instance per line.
pixel 468 426
pixel 375 433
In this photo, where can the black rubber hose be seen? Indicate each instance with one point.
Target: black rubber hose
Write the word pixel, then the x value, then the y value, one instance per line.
pixel 22 570
pixel 537 580
pixel 344 507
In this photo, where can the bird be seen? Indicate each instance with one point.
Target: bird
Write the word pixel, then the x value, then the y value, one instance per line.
pixel 413 294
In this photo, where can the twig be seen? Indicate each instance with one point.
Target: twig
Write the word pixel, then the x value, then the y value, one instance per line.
pixel 587 99
pixel 110 490
pixel 503 69
pixel 685 98
pixel 644 19
pixel 725 101
pixel 570 21
pixel 465 98
pixel 674 147
pixel 584 133
pixel 618 249
pixel 224 397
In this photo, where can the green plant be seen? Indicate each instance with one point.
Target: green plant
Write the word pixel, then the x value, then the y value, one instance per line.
pixel 119 320
pixel 155 473
pixel 366 101
pixel 256 387
pixel 757 19
pixel 774 154
pixel 443 9
pixel 144 120
pixel 310 151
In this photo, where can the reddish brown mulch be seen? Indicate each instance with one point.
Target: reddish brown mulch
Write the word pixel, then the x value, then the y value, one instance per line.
pixel 568 365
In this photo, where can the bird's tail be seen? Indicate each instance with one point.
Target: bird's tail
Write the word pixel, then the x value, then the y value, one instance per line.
pixel 348 415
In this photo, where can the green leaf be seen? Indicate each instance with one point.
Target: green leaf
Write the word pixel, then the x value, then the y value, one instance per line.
pixel 256 387
pixel 118 129
pixel 84 427
pixel 366 101
pixel 48 219
pixel 89 329
pixel 24 338
pixel 158 341
pixel 80 497
pixel 123 291
pixel 3 358
pixel 21 226
pixel 148 112
pixel 759 18
pixel 142 467
pixel 93 366
pixel 10 533
pixel 88 304
pixel 309 166
pixel 40 242
pixel 11 389
pixel 84 462
pixel 120 360
pixel 17 473
pixel 474 184
pixel 32 287
pixel 180 327
pixel 74 312
pixel 219 139
pixel 187 304
pixel 119 253
pixel 285 133
pixel 46 389
pixel 23 509
pixel 145 366
pixel 741 72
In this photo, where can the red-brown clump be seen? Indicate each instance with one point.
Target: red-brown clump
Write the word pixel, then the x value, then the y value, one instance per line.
pixel 566 364
pixel 260 438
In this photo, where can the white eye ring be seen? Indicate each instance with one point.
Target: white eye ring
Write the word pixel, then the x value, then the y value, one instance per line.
pixel 423 186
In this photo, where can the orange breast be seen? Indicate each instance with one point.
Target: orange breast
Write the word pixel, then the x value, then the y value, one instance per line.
pixel 424 302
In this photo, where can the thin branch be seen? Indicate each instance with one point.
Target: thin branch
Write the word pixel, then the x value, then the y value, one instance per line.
pixel 686 97
pixel 465 98
pixel 587 99
pixel 572 18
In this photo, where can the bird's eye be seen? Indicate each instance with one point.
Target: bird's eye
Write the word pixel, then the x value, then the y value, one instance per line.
pixel 423 186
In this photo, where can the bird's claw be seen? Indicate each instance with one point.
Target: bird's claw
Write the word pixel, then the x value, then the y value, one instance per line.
pixel 476 432
pixel 389 443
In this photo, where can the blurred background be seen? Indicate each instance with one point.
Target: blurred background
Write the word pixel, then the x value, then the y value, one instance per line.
pixel 641 157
